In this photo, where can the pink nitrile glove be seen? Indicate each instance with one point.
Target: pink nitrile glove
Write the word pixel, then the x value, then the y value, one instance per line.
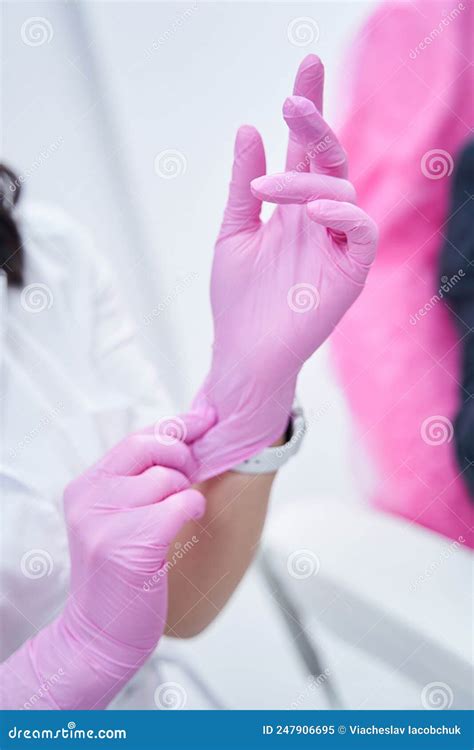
pixel 121 515
pixel 279 289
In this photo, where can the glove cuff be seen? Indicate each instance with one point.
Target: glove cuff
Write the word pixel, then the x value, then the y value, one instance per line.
pixel 84 668
pixel 241 434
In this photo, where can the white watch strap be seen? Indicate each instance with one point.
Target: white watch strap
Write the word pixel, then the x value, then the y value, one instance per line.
pixel 270 460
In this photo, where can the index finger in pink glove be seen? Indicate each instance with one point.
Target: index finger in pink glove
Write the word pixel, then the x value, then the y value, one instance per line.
pixel 308 127
pixel 242 212
pixel 182 428
pixel 296 187
pixel 185 428
pixel 329 203
pixel 309 83
pixel 139 452
pixel 148 488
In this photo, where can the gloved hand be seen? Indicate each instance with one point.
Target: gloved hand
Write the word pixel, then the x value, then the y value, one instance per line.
pixel 279 289
pixel 121 516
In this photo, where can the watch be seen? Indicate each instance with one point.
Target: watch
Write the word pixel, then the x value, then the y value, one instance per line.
pixel 271 459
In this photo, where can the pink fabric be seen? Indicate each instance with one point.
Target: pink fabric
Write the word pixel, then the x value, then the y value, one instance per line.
pixel 278 289
pixel 122 514
pixel 410 109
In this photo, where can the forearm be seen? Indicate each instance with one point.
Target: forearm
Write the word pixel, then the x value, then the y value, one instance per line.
pixel 56 670
pixel 210 556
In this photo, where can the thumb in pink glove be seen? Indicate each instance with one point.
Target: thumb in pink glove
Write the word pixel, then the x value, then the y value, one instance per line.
pixel 279 289
pixel 121 515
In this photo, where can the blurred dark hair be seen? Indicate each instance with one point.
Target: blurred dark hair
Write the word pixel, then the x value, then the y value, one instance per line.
pixel 458 254
pixel 11 251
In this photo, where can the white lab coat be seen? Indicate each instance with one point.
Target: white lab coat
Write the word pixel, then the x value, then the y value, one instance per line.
pixel 73 382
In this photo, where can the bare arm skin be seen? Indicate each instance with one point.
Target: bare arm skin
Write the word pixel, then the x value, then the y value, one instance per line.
pixel 210 569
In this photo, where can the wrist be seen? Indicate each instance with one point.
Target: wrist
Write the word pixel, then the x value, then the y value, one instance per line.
pixel 286 436
pixel 89 668
pixel 110 654
pixel 281 441
pixel 248 421
pixel 271 458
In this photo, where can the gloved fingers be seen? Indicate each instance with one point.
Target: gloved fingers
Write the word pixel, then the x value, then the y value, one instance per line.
pixel 139 452
pixel 302 187
pixel 197 424
pixel 153 486
pixel 167 517
pixel 309 83
pixel 242 212
pixel 347 220
pixel 323 151
pixel 184 427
